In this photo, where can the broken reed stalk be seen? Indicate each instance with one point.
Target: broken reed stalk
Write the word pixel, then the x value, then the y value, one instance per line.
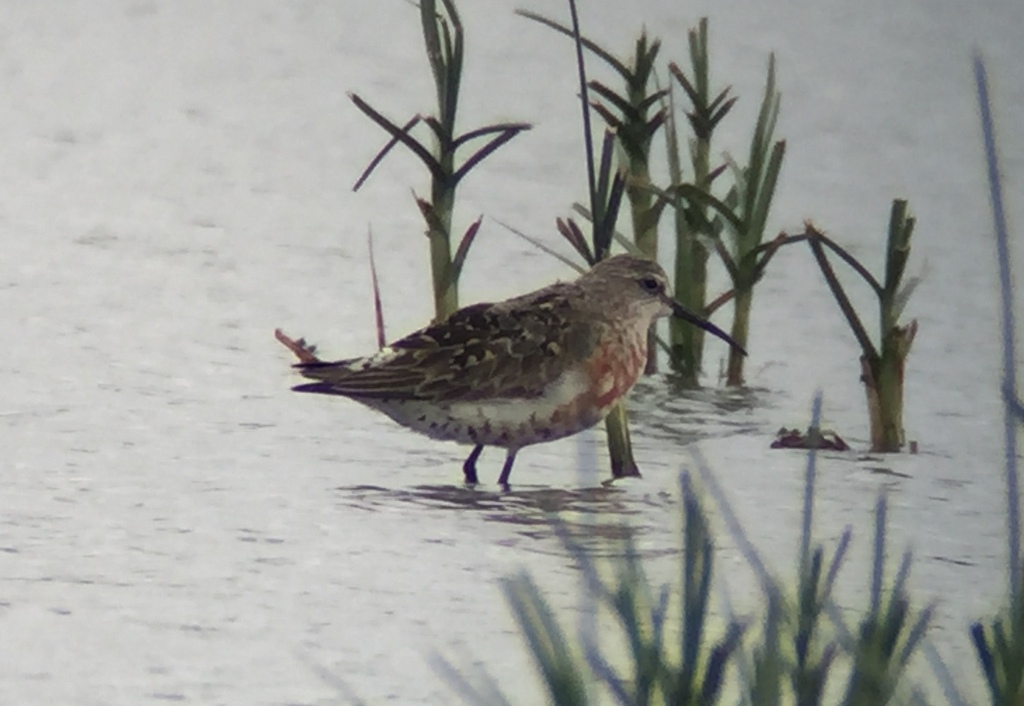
pixel 882 367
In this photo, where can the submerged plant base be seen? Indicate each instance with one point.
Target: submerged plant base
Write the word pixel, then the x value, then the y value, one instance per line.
pixel 814 438
pixel 883 384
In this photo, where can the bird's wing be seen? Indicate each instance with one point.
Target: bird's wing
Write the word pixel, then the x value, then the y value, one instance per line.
pixel 512 349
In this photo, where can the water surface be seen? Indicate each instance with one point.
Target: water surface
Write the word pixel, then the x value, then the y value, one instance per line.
pixel 177 526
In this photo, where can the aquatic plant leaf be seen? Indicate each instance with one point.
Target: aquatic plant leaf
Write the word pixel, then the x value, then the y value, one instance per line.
pixel 535 242
pixel 378 307
pixel 860 333
pixel 591 46
pixel 463 250
pixel 572 233
pixel 628 110
pixel 400 134
pixel 484 693
pixel 383 153
pixel 546 640
pixel 505 132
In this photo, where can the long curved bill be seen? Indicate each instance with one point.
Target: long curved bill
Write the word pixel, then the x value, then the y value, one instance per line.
pixel 681 312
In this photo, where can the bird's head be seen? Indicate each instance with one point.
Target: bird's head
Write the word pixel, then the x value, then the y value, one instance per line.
pixel 640 286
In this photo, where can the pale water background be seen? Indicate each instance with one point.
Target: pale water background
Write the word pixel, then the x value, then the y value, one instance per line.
pixel 175 525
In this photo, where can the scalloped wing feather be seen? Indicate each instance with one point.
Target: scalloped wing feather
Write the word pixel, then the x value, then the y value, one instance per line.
pixel 510 350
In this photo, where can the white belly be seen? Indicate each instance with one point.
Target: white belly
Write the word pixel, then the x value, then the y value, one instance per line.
pixel 508 423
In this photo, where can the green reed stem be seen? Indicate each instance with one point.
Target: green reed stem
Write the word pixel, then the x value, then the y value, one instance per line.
pixel 444 39
pixel 691 220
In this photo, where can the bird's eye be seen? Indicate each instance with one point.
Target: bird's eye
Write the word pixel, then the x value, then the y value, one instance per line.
pixel 651 284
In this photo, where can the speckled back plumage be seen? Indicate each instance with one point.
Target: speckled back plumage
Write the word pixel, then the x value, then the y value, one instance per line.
pixel 510 349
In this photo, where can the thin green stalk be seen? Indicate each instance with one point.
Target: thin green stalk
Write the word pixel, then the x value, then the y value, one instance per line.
pixel 686 343
pixel 999 642
pixel 1009 339
pixel 443 36
pixel 691 220
pixel 890 632
pixel 556 662
pixel 752 197
pixel 742 304
pixel 620 447
pixel 446 287
pixel 744 211
pixel 607 185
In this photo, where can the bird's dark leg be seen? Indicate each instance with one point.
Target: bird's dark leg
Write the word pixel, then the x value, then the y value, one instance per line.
pixel 469 467
pixel 506 470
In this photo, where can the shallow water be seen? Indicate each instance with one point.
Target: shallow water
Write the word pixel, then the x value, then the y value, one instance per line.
pixel 176 525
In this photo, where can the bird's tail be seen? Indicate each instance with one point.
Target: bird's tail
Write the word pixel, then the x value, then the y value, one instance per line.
pixel 321 388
